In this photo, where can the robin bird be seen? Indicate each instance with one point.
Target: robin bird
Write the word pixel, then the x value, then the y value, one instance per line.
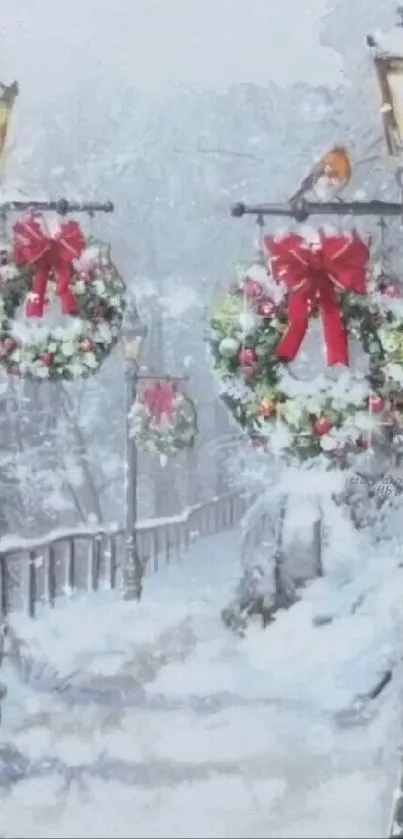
pixel 331 174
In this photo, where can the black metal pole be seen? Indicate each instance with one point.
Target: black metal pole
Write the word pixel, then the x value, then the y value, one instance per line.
pixel 61 206
pixel 302 209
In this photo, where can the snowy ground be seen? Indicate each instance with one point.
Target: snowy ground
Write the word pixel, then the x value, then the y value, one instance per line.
pixel 163 724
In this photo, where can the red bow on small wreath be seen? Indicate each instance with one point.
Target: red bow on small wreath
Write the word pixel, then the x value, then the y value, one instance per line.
pixel 159 397
pixel 312 274
pixel 50 255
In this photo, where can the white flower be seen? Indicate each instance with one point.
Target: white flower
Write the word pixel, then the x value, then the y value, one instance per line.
pixel 292 411
pixel 328 442
pixel 395 371
pixel 25 367
pixel 376 269
pixel 76 369
pixel 88 258
pixel 388 339
pixel 8 272
pixel 99 286
pixel 90 360
pixel 75 328
pixel 42 372
pixel 314 406
pixel 58 333
pixel 68 349
pixel 79 287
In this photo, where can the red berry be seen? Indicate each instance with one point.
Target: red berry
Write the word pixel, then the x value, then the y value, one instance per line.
pixel 322 425
pixel 376 404
pixel 266 308
pixel 85 344
pixel 246 357
pixel 47 358
pixel 252 289
pixel 257 442
pixel 390 290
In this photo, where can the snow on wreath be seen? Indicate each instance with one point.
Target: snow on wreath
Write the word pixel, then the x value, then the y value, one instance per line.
pixel 61 302
pixel 271 374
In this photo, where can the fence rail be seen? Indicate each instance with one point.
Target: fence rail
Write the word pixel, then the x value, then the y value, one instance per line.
pixel 40 571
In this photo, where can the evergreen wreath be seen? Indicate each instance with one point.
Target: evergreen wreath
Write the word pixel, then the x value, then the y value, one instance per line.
pixel 163 420
pixel 61 302
pixel 258 327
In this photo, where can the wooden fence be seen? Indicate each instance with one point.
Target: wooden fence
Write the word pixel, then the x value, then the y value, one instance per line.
pixel 39 571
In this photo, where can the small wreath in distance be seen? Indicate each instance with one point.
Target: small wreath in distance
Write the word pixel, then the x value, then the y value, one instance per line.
pixel 163 420
pixel 61 302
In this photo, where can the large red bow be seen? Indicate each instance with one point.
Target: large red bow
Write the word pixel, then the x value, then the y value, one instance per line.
pixel 50 255
pixel 312 274
pixel 159 398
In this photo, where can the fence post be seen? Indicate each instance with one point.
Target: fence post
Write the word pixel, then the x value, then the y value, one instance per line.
pixel 3 588
pixel 32 584
pixel 51 575
pixel 71 566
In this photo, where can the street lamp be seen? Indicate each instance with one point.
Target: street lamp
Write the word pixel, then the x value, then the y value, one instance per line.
pixel 134 332
pixel 387 50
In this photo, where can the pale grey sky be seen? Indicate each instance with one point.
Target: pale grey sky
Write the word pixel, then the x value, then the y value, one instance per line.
pixel 155 44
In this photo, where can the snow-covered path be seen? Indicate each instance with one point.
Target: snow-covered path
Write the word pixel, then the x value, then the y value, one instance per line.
pixel 169 726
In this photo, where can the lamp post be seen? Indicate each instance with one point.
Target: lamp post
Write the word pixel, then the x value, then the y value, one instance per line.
pixel 134 332
pixel 387 52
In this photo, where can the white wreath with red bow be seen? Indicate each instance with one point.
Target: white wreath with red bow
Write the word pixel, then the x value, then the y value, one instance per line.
pixel 61 302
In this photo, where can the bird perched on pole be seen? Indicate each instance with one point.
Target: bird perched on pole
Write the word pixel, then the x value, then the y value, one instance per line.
pixel 328 176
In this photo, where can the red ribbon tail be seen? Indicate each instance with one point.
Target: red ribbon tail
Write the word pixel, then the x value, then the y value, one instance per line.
pixel 63 289
pixel 291 341
pixel 335 334
pixel 35 304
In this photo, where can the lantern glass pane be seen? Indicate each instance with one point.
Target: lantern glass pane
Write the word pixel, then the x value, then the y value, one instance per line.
pixel 395 80
pixel 132 347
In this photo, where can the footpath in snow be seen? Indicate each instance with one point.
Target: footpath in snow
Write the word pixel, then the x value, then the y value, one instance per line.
pixel 152 720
